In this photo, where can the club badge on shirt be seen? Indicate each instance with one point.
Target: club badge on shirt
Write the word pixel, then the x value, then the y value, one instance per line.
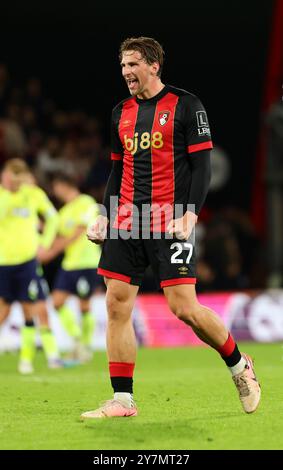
pixel 163 117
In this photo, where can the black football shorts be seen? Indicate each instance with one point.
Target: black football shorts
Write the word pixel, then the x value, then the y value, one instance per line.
pixel 172 260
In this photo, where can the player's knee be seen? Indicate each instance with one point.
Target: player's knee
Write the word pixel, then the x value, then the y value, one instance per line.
pixel 42 313
pixel 57 302
pixel 84 305
pixel 185 311
pixel 58 299
pixel 4 310
pixel 57 305
pixel 189 316
pixel 118 306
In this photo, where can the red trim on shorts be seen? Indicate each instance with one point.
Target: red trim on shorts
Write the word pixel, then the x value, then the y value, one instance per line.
pixel 113 275
pixel 202 146
pixel 116 156
pixel 228 347
pixel 121 369
pixel 175 282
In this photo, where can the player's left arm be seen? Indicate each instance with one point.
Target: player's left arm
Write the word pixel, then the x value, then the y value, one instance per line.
pixel 198 144
pixel 200 180
pixel 201 175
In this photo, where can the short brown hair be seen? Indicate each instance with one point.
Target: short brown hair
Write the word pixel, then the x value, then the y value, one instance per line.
pixel 17 166
pixel 150 49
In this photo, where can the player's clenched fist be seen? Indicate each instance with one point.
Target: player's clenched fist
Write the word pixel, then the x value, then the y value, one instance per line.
pixel 182 228
pixel 96 232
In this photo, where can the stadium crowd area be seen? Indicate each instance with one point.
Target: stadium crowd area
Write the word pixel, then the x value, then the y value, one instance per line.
pixel 53 139
pixel 50 139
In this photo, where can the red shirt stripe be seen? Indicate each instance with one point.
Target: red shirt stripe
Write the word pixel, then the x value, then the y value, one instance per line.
pixel 127 125
pixel 162 162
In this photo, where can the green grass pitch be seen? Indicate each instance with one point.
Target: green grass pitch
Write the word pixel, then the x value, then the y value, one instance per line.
pixel 185 396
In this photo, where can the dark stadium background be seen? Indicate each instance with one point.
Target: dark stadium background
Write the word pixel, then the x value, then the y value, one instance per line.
pixel 230 54
pixel 218 50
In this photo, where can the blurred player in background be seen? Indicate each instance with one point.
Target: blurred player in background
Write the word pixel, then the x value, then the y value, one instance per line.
pixel 40 306
pixel 77 275
pixel 21 204
pixel 161 156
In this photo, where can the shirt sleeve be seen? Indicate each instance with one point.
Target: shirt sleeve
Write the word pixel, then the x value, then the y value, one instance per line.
pixel 116 145
pixel 197 130
pixel 200 179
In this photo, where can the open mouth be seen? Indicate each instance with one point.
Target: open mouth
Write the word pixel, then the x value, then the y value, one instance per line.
pixel 132 83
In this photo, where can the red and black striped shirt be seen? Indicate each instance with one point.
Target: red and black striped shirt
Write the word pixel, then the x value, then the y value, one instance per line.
pixel 155 138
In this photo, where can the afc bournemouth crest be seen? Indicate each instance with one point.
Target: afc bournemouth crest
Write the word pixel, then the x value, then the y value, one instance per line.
pixel 163 117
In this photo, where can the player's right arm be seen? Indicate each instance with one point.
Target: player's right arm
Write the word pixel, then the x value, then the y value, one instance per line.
pixel 97 231
pixel 4 201
pixel 60 244
pixel 45 208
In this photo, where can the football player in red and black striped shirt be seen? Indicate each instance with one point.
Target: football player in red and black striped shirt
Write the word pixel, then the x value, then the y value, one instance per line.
pixel 161 162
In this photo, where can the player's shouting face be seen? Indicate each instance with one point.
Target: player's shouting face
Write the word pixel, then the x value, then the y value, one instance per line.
pixel 139 75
